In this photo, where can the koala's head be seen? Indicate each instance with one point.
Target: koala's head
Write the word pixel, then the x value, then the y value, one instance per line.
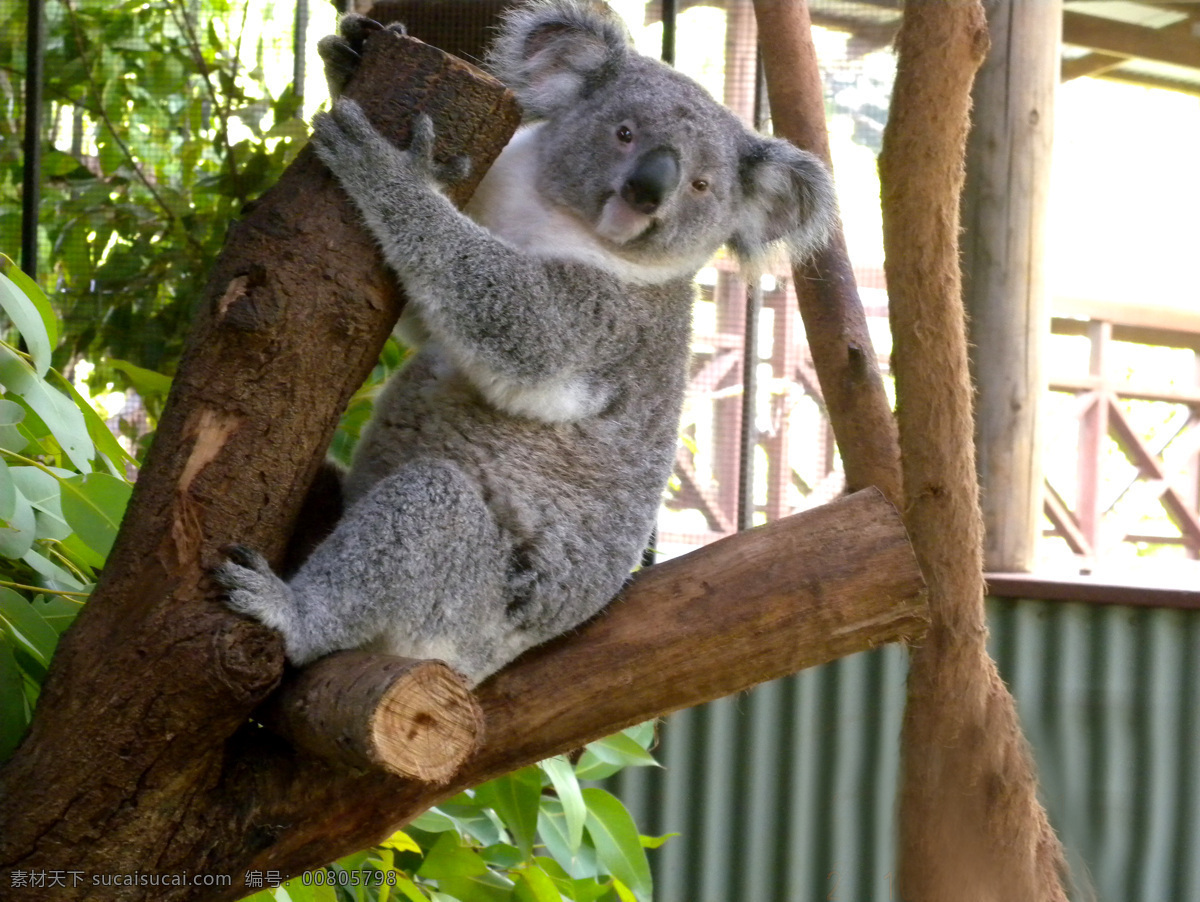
pixel 660 171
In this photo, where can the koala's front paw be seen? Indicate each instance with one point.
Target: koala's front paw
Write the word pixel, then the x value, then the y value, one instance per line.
pixel 253 588
pixel 363 160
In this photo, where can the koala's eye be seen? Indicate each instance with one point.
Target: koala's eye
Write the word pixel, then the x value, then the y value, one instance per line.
pixel 624 135
pixel 700 184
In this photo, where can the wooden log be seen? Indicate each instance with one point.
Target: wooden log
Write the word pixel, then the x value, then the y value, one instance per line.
pixel 1004 212
pixel 156 675
pixel 834 319
pixel 411 718
pixel 758 605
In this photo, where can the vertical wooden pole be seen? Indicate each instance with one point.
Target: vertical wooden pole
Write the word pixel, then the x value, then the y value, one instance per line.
pixel 1093 430
pixel 1004 208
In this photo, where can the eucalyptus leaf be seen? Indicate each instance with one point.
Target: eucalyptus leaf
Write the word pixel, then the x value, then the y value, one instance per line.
pixel 55 576
pixel 433 821
pixel 62 418
pixel 146 383
pixel 411 891
pixel 450 858
pixel 623 750
pixel 484 887
pixel 535 885
pixel 11 438
pixel 566 785
pixel 25 627
pixel 8 493
pixel 514 797
pixel 623 892
pixel 102 437
pixel 14 714
pixel 618 845
pixel 17 537
pixel 33 293
pixel 94 505
pixel 57 611
pixel 28 322
pixel 579 863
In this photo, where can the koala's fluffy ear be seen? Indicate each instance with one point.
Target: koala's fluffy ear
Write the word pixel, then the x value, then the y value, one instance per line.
pixel 788 198
pixel 552 52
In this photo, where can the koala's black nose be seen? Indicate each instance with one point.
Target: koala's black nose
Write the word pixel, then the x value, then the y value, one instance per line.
pixel 652 180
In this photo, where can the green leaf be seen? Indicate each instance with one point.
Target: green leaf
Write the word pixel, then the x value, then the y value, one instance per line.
pixel 579 862
pixel 94 505
pixel 485 887
pixel 146 383
pixel 562 777
pixel 535 885
pixel 411 891
pixel 623 892
pixel 586 890
pixel 8 493
pixel 25 317
pixel 79 553
pixel 449 858
pixel 62 418
pixel 55 576
pixel 33 293
pixel 14 715
pixel 515 798
pixel 622 750
pixel 655 842
pixel 617 844
pixel 57 611
pixel 401 842
pixel 17 537
pixel 41 488
pixel 25 627
pixel 11 439
pixel 433 821
pixel 106 443
pixel 643 733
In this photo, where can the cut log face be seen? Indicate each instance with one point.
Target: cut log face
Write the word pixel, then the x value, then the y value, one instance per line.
pixel 410 718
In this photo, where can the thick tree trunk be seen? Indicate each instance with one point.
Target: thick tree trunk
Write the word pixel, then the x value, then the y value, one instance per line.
pixel 157 674
pixel 971 826
pixel 142 760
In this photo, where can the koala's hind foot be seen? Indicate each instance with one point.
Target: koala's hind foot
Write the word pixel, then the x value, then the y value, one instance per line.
pixel 253 588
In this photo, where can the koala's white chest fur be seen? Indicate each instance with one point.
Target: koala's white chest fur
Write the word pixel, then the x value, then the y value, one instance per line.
pixel 508 204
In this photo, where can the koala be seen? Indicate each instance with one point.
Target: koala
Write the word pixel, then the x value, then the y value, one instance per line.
pixel 511 475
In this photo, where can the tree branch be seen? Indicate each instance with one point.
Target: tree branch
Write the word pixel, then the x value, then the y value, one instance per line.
pixel 833 315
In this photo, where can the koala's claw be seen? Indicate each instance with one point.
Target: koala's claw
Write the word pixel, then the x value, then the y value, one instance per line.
pixel 342 52
pixel 245 556
pixel 251 586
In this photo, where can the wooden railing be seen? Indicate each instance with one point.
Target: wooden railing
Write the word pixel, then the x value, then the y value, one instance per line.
pixel 1095 525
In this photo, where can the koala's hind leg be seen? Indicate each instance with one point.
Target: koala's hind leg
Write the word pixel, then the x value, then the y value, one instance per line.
pixel 416 567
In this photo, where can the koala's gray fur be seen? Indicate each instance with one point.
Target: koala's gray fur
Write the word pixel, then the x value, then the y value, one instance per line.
pixel 512 472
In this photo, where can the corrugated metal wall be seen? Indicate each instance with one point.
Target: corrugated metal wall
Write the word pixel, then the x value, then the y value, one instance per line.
pixel 787 792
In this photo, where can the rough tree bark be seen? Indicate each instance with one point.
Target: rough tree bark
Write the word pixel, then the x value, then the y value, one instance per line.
pixel 971 826
pixel 142 759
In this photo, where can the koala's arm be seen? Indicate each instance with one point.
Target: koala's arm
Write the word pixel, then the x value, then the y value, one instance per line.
pixel 517 316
